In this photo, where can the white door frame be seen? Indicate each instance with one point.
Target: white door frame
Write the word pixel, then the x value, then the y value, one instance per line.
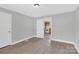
pixel 40 28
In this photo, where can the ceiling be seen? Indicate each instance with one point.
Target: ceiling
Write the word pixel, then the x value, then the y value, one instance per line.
pixel 42 10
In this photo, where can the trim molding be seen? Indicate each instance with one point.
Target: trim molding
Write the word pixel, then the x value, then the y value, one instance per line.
pixel 62 41
pixel 76 47
pixel 26 39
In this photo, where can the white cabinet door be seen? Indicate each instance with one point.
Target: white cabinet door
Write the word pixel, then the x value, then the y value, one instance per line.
pixel 40 28
pixel 5 29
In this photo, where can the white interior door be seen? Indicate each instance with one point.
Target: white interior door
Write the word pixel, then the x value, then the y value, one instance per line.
pixel 40 28
pixel 5 29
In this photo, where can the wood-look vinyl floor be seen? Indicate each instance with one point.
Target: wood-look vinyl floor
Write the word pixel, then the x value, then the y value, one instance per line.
pixel 39 46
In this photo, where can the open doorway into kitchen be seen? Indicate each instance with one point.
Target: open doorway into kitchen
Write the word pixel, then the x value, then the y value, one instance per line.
pixel 44 28
pixel 47 29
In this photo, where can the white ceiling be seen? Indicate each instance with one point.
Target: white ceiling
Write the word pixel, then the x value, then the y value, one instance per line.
pixel 42 10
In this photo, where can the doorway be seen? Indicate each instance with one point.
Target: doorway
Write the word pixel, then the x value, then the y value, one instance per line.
pixel 47 29
pixel 44 27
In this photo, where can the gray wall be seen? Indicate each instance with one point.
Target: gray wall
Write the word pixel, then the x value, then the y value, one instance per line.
pixel 63 26
pixel 23 26
pixel 77 26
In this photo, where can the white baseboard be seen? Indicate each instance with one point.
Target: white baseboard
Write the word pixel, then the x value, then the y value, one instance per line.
pixel 26 39
pixel 76 47
pixel 62 41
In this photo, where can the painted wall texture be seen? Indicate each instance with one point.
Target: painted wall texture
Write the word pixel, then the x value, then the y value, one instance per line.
pixel 77 26
pixel 63 26
pixel 23 26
